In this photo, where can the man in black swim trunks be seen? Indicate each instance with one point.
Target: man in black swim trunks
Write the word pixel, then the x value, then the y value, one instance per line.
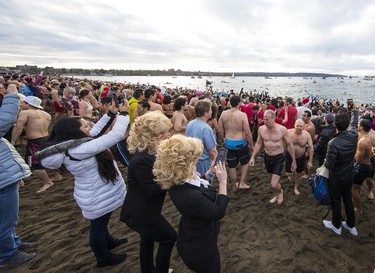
pixel 274 138
pixel 302 142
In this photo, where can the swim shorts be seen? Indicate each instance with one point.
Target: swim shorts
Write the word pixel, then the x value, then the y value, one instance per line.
pixel 32 147
pixel 274 164
pixel 300 163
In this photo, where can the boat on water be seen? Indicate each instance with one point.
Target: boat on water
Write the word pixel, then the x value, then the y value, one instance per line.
pixel 233 76
pixel 199 77
pixel 368 78
pixel 192 77
pixel 267 77
pixel 148 75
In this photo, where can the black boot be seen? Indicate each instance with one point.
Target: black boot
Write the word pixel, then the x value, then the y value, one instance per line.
pixel 116 242
pixel 113 259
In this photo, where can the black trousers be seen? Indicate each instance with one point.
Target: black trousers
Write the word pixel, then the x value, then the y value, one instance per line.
pixel 341 188
pixel 211 265
pixel 164 234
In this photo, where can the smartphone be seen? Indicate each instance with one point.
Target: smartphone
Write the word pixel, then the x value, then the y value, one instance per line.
pixel 222 156
pixel 350 104
pixel 114 97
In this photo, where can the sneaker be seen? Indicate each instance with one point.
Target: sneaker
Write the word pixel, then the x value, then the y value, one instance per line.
pixel 328 224
pixel 353 231
pixel 18 258
pixel 25 245
pixel 113 259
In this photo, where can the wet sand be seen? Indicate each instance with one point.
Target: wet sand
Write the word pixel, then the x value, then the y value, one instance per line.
pixel 255 236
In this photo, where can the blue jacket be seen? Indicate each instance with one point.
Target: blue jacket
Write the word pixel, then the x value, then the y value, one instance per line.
pixel 12 167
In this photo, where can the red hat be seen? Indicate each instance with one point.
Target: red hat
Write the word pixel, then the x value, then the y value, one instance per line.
pixel 305 101
pixel 106 88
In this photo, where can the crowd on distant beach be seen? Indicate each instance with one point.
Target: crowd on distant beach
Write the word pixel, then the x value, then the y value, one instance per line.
pixel 170 139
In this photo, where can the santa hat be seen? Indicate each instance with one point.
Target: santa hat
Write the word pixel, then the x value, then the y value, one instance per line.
pixel 305 101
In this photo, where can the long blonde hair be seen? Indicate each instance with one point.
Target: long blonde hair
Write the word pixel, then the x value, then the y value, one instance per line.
pixel 176 159
pixel 146 130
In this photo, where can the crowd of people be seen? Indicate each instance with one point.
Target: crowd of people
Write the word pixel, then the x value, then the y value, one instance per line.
pixel 169 139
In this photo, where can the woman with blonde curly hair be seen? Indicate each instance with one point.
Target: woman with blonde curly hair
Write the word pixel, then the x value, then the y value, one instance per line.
pixel 144 200
pixel 195 199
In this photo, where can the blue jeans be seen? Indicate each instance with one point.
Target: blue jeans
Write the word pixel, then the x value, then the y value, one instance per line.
pixel 9 242
pixel 100 238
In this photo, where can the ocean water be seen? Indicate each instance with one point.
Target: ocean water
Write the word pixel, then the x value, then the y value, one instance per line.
pixel 360 90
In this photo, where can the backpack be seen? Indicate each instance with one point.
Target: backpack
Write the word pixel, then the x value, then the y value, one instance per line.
pixel 319 188
pixel 26 91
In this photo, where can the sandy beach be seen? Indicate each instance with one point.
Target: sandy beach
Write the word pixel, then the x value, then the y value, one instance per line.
pixel 255 236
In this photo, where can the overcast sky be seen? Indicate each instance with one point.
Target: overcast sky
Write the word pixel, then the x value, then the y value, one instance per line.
pixel 330 36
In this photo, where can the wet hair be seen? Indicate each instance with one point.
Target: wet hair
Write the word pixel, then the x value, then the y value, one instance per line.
pixel 149 93
pixel 342 121
pixel 271 113
pixel 137 93
pixel 366 124
pixel 105 100
pixel 308 113
pixel 68 128
pixel 167 100
pixel 179 103
pixel 83 93
pixel 145 104
pixel 235 101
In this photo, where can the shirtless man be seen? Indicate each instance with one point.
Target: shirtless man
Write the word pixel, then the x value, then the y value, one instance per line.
pixel 35 122
pixel 363 157
pixel 302 141
pixel 234 125
pixel 274 138
pixel 308 124
pixel 178 118
pixel 150 97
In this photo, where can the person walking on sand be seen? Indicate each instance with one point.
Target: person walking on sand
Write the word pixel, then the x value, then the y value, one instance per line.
pixel 35 122
pixel 363 156
pixel 274 138
pixel 302 142
pixel 199 128
pixel 235 130
pixel 13 170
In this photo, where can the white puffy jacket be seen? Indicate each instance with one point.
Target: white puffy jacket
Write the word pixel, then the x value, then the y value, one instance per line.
pixel 93 195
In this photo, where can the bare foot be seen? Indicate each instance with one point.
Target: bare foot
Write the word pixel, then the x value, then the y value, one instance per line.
pixel 273 200
pixel 243 186
pixel 280 197
pixel 370 195
pixel 45 187
pixel 296 191
pixel 235 187
pixel 57 178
